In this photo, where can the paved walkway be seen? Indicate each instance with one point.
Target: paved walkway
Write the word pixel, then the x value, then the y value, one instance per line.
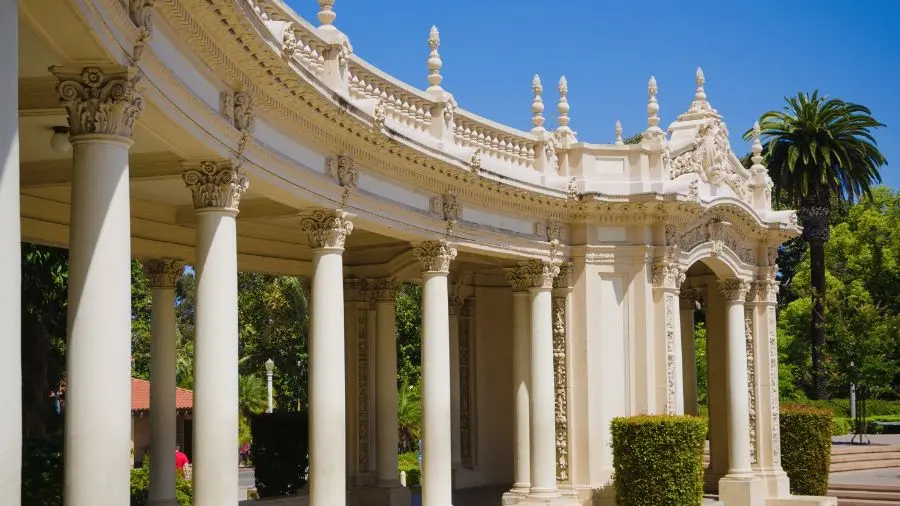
pixel 876 439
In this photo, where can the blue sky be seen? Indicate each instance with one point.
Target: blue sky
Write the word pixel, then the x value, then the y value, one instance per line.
pixel 753 54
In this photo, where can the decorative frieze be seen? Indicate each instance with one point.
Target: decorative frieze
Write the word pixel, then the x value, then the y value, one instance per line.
pixel 327 229
pixel 384 289
pixel 163 273
pixel 216 185
pixel 100 100
pixel 435 256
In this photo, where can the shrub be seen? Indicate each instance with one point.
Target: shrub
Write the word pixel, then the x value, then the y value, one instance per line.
pixel 841 407
pixel 840 426
pixel 279 449
pixel 806 448
pixel 140 486
pixel 658 460
pixel 409 462
pixel 42 466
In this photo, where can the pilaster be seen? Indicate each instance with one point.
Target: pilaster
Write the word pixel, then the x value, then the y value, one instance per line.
pixel 562 287
pixel 667 277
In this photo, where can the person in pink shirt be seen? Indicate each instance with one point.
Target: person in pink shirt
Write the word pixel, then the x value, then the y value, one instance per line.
pixel 180 459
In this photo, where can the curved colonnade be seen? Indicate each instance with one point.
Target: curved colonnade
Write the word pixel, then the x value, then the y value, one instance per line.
pixel 236 135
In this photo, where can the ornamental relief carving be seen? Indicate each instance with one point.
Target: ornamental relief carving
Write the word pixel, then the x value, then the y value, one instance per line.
pixel 100 100
pixel 163 273
pixel 345 170
pixel 560 380
pixel 384 289
pixel 671 392
pixel 141 14
pixel 720 233
pixel 326 229
pixel 216 185
pixel 243 112
pixel 734 289
pixel 751 383
pixel 709 156
pixel 666 274
pixel 773 382
pixel 537 273
pixel 435 256
pixel 363 385
pixel 466 368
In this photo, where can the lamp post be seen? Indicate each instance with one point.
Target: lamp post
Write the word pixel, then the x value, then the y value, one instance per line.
pixel 270 368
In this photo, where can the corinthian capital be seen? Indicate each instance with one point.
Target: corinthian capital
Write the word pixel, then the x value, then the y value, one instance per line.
pixel 734 289
pixel 435 256
pixel 564 279
pixel 384 289
pixel 667 274
pixel 100 100
pixel 216 185
pixel 163 273
pixel 327 229
pixel 533 274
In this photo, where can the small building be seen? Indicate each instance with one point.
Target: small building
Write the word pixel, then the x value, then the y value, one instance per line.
pixel 140 419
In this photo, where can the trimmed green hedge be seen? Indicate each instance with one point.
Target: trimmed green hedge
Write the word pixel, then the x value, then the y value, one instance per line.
pixel 280 446
pixel 841 407
pixel 140 486
pixel 658 460
pixel 841 426
pixel 806 448
pixel 409 462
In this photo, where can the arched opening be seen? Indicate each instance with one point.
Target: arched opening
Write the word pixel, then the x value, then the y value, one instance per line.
pixel 704 357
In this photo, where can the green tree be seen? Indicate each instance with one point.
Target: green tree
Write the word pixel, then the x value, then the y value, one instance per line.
pixel 409 338
pixel 409 416
pixel 819 150
pixel 141 309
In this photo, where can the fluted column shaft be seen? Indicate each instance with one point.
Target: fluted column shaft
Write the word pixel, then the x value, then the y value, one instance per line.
pixel 734 292
pixel 102 105
pixel 327 231
pixel 162 275
pixel 11 267
pixel 437 485
pixel 386 370
pixel 216 188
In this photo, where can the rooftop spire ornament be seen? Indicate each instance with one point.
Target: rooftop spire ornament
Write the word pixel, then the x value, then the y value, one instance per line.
pixel 653 129
pixel 700 102
pixel 564 134
pixel 757 150
pixel 619 141
pixel 434 61
pixel 326 14
pixel 537 105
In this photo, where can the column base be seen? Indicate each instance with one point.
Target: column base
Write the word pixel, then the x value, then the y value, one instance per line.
pixel 163 502
pixel 777 483
pixel 392 495
pixel 740 490
pixel 559 500
pixel 516 494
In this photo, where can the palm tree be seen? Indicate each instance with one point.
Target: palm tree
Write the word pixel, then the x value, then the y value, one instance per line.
pixel 409 416
pixel 820 150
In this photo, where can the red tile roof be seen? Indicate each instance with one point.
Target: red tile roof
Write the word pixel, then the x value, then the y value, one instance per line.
pixel 140 396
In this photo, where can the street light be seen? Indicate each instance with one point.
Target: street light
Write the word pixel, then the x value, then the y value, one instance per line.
pixel 270 369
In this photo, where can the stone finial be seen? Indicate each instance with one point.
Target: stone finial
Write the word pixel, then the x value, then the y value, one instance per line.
pixel 163 273
pixel 100 100
pixel 434 61
pixel 326 14
pixel 653 129
pixel 435 256
pixel 700 102
pixel 619 140
pixel 216 185
pixel 564 134
pixel 757 149
pixel 537 105
pixel 327 229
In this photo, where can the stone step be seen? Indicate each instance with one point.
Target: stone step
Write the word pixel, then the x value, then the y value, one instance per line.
pixel 864 502
pixel 868 495
pixel 872 487
pixel 855 449
pixel 855 457
pixel 860 465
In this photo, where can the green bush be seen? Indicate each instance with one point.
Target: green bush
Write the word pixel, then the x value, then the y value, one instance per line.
pixel 806 448
pixel 841 407
pixel 658 460
pixel 279 450
pixel 42 466
pixel 840 426
pixel 409 462
pixel 140 486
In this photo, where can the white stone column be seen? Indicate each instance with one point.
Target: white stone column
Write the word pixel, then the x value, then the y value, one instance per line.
pixel 520 279
pixel 216 188
pixel 385 291
pixel 10 267
pixel 542 420
pixel 734 292
pixel 102 106
pixel 687 305
pixel 454 306
pixel 667 278
pixel 163 275
pixel 437 478
pixel 328 231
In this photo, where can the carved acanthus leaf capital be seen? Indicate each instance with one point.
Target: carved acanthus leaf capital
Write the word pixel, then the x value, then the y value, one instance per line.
pixel 564 279
pixel 435 256
pixel 355 290
pixel 734 289
pixel 384 289
pixel 538 273
pixel 163 273
pixel 763 290
pixel 99 100
pixel 327 229
pixel 216 185
pixel 454 304
pixel 689 297
pixel 667 274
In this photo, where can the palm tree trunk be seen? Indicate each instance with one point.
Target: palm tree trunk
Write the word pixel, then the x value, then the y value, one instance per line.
pixel 817 324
